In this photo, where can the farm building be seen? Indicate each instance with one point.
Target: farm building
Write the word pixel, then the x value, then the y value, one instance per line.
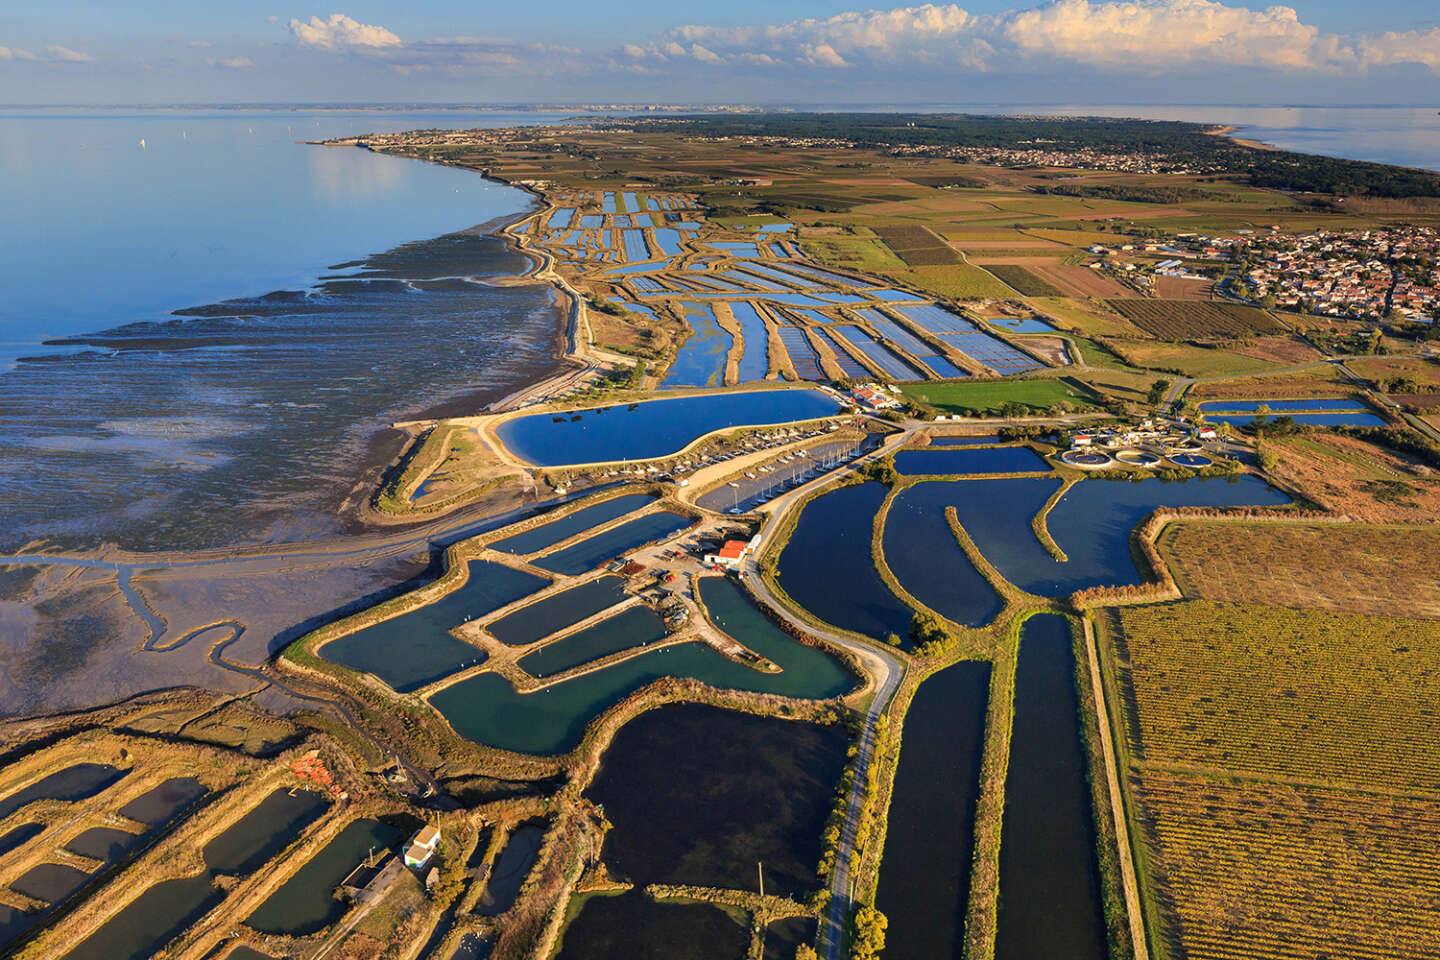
pixel 422 847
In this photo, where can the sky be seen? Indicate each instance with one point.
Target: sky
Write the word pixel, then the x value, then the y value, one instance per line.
pixel 742 51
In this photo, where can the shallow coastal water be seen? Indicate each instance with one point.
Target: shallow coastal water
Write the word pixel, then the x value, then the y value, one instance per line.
pixel 249 419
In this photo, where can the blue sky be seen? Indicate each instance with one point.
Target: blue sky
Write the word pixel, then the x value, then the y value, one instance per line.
pixel 986 51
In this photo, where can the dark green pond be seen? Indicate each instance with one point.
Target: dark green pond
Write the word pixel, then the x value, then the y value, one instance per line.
pixel 1050 900
pixel 416 648
pixel 699 795
pixel 104 843
pixel 556 612
pixel 784 937
pixel 151 920
pixel 161 804
pixel 50 882
pixel 631 628
pixel 487 709
pixel 73 783
pixel 549 534
pixel 265 831
pixel 21 835
pixel 307 902
pixel 614 543
pixel 154 918
pixel 634 927
pixel 806 668
pixel 510 868
pixel 831 545
pixel 929 843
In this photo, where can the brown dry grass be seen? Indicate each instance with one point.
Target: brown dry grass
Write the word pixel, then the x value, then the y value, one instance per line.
pixel 1281 349
pixel 1320 381
pixel 1351 568
pixel 1359 479
pixel 1177 288
pixel 1082 281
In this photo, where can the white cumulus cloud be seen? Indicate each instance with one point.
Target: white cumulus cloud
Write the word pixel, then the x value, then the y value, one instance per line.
pixel 232 63
pixel 1112 35
pixel 66 55
pixel 340 32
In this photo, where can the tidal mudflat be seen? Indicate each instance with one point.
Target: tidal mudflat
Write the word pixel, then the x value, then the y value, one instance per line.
pixel 242 421
pixel 697 795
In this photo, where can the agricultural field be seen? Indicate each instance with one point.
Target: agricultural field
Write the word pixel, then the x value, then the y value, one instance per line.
pixel 1089 318
pixel 1422 371
pixel 1026 283
pixel 1186 359
pixel 1287 793
pixel 1192 320
pixel 1262 870
pixel 960 281
pixel 1322 380
pixel 1347 568
pixel 982 397
pixel 1359 479
pixel 1288 350
pixel 917 246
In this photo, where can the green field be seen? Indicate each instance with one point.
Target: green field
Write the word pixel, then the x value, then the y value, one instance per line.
pixel 990 396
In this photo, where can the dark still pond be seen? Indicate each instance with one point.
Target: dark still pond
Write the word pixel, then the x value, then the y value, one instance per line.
pixel 487 709
pixel 633 627
pixel 416 648
pixel 549 534
pixel 700 795
pixel 1091 523
pixel 511 868
pixel 925 557
pixel 306 902
pixel 631 926
pixel 913 463
pixel 830 546
pixel 925 877
pixel 653 428
pixel 1050 900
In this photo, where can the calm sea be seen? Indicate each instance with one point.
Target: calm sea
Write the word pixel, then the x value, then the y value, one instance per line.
pixel 218 388
pixel 1408 136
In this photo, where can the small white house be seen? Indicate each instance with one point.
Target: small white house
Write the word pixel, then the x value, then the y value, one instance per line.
pixel 422 847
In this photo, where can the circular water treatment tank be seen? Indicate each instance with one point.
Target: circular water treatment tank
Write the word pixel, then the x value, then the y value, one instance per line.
pixel 1137 458
pixel 1089 459
pixel 1190 445
pixel 1192 460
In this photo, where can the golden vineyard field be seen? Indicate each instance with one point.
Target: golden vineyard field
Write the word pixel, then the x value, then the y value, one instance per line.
pixel 1285 779
pixel 1276 692
pixel 1258 870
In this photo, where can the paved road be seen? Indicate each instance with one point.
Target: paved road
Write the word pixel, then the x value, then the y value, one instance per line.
pixel 884 668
